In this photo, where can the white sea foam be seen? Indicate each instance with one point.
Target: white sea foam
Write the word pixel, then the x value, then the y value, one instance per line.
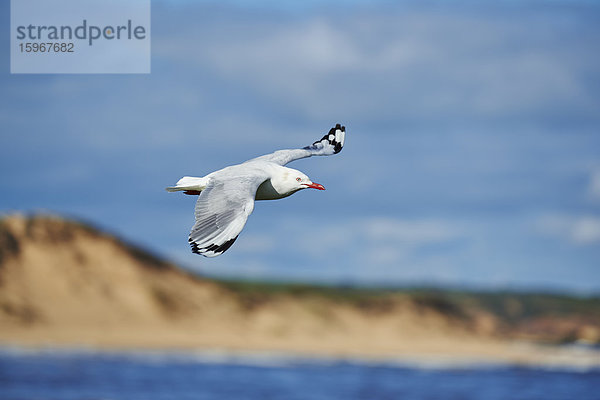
pixel 572 358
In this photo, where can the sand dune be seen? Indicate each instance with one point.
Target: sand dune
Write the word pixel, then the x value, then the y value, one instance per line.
pixel 64 283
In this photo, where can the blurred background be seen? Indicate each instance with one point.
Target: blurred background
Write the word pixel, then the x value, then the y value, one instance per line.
pixel 471 163
pixel 472 148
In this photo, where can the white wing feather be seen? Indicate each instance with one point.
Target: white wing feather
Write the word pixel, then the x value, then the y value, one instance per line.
pixel 221 213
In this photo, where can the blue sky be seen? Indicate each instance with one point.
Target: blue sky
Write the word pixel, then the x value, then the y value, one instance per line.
pixel 472 154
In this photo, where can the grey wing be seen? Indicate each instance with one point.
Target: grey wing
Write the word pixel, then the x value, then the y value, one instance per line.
pixel 331 143
pixel 221 212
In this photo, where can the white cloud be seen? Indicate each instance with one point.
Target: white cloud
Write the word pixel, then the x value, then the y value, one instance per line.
pixel 366 240
pixel 579 230
pixel 586 230
pixel 408 61
pixel 594 185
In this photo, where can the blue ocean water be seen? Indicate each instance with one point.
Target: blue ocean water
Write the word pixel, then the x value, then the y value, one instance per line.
pixel 70 375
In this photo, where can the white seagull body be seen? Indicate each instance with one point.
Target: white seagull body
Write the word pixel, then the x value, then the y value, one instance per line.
pixel 226 197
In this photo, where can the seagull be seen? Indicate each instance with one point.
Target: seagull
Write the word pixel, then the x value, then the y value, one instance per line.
pixel 226 197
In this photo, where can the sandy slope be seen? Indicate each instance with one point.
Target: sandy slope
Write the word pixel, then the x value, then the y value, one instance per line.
pixel 64 283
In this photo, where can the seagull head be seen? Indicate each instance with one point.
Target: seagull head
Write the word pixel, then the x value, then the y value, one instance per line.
pixel 293 180
pixel 298 181
pixel 306 183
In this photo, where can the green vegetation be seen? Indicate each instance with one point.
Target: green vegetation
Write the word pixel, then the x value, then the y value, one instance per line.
pixel 515 306
pixel 254 293
pixel 509 306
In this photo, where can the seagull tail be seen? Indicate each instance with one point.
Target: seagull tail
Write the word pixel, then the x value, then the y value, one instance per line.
pixel 189 184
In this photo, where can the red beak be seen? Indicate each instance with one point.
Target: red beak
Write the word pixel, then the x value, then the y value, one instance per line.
pixel 315 186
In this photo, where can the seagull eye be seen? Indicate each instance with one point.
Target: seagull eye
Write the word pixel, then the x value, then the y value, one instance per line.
pixel 299 179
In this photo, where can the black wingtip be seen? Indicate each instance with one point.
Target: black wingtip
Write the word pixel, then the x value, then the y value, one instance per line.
pixel 333 138
pixel 215 248
pixel 338 126
pixel 337 145
pixel 195 248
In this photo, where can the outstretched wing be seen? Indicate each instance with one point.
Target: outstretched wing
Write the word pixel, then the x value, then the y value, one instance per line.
pixel 221 213
pixel 329 144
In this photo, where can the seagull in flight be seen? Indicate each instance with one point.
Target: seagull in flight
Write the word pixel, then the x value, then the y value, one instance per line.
pixel 226 197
